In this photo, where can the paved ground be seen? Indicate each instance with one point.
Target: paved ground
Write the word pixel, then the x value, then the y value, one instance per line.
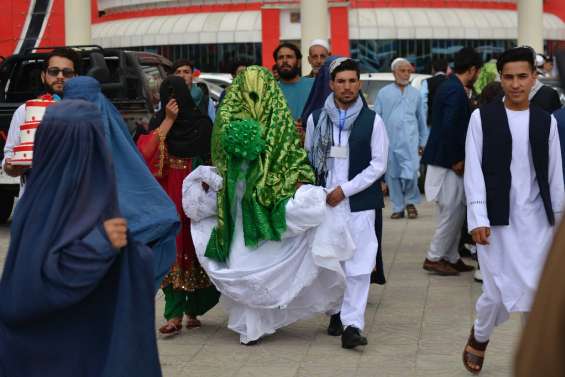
pixel 417 326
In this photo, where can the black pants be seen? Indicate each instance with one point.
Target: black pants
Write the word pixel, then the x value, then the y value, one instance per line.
pixel 378 276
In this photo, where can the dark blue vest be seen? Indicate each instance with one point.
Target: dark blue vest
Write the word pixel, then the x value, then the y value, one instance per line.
pixel 497 155
pixel 359 158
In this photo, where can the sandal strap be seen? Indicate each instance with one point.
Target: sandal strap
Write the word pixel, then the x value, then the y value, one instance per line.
pixel 474 343
pixel 471 358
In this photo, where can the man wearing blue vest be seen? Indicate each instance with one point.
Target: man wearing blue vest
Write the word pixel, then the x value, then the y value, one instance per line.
pixel 514 189
pixel 347 145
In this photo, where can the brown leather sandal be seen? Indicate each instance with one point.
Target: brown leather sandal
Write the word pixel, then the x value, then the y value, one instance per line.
pixel 397 215
pixel 172 327
pixel 193 323
pixel 474 354
pixel 412 211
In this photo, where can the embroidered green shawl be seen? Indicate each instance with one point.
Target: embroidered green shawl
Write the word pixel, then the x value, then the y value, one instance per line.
pixel 255 126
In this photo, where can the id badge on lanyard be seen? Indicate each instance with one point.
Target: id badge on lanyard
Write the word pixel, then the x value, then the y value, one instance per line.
pixel 339 151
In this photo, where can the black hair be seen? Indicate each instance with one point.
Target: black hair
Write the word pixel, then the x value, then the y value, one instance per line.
pixel 440 65
pixel 517 54
pixel 182 62
pixel 493 91
pixel 346 65
pixel 64 52
pixel 237 64
pixel 287 45
pixel 465 59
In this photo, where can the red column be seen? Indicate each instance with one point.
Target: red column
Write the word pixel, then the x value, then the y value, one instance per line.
pixel 270 34
pixel 339 21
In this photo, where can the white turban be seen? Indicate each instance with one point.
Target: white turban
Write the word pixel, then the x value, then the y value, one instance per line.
pixel 398 61
pixel 320 42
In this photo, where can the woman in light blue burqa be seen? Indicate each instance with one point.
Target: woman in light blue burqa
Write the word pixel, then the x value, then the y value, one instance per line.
pixel 152 217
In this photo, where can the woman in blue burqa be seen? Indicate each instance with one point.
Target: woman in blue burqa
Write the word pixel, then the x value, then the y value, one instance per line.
pixel 77 291
pixel 151 215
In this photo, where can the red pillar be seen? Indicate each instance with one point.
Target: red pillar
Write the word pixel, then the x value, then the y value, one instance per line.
pixel 270 34
pixel 339 21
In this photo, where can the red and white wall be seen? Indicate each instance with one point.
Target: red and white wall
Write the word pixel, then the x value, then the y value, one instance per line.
pixel 156 22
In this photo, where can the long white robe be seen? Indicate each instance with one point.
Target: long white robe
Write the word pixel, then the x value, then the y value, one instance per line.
pixel 361 224
pixel 513 260
pixel 279 282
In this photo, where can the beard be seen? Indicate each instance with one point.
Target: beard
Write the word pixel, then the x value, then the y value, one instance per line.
pixel 288 74
pixel 51 88
pixel 400 82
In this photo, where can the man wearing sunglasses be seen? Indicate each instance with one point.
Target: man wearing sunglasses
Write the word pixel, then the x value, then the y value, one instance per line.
pixel 61 65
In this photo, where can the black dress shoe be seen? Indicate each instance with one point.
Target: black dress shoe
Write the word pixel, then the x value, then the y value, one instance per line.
pixel 250 343
pixel 352 338
pixel 335 327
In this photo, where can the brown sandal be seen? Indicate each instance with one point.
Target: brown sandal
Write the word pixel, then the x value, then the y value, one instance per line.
pixel 412 211
pixel 474 353
pixel 193 323
pixel 172 327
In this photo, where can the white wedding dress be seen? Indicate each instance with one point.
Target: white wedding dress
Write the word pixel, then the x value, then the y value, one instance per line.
pixel 279 282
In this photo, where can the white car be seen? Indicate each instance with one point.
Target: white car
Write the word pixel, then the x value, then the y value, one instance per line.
pixel 371 83
pixel 221 79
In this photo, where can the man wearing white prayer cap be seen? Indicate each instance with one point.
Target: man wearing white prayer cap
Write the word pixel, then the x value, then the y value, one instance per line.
pixel 317 54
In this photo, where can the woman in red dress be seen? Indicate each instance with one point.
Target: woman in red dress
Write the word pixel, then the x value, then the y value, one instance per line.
pixel 178 142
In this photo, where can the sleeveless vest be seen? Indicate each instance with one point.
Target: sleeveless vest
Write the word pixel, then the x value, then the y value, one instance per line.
pixel 497 155
pixel 359 158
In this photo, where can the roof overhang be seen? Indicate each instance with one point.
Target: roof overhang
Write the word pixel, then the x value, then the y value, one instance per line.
pixel 189 28
pixel 447 23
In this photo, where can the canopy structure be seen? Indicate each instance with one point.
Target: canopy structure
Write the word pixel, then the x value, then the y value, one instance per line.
pixel 447 23
pixel 189 28
pixel 364 23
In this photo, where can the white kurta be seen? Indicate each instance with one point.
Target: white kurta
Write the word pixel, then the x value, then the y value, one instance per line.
pixel 516 254
pixel 361 224
pixel 279 282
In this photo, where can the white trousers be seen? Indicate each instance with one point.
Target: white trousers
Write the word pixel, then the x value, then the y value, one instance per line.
pixel 490 309
pixel 355 301
pixel 451 213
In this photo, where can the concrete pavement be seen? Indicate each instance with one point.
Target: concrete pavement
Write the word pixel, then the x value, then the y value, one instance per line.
pixel 417 325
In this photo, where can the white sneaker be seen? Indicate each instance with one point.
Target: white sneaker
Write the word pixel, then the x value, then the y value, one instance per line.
pixel 478 276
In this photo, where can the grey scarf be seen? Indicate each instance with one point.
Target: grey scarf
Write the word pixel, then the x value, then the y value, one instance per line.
pixel 322 139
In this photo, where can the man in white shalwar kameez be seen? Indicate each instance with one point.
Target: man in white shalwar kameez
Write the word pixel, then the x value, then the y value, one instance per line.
pixel 514 189
pixel 348 148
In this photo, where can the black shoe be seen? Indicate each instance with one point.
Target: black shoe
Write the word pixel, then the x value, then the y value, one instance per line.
pixel 250 343
pixel 352 338
pixel 335 328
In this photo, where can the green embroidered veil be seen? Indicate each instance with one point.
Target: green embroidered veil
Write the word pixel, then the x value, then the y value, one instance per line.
pixel 254 127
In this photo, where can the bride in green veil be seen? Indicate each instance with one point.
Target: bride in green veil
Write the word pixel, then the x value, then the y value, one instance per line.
pixel 262 232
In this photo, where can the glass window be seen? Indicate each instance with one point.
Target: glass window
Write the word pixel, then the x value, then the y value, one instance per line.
pixel 377 55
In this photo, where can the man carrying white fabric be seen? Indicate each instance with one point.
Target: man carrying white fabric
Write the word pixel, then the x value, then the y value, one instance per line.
pixel 348 148
pixel 514 189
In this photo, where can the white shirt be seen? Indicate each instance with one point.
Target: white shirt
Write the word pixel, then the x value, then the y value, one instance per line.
pixel 516 252
pixel 339 173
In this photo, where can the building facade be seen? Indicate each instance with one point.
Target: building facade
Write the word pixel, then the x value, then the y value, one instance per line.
pixel 215 33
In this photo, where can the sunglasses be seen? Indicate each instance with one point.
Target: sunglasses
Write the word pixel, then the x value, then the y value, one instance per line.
pixel 67 72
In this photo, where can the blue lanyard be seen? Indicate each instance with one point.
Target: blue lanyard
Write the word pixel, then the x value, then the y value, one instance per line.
pixel 342 117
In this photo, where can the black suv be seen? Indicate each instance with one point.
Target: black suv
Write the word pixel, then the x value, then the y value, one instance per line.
pixel 130 79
